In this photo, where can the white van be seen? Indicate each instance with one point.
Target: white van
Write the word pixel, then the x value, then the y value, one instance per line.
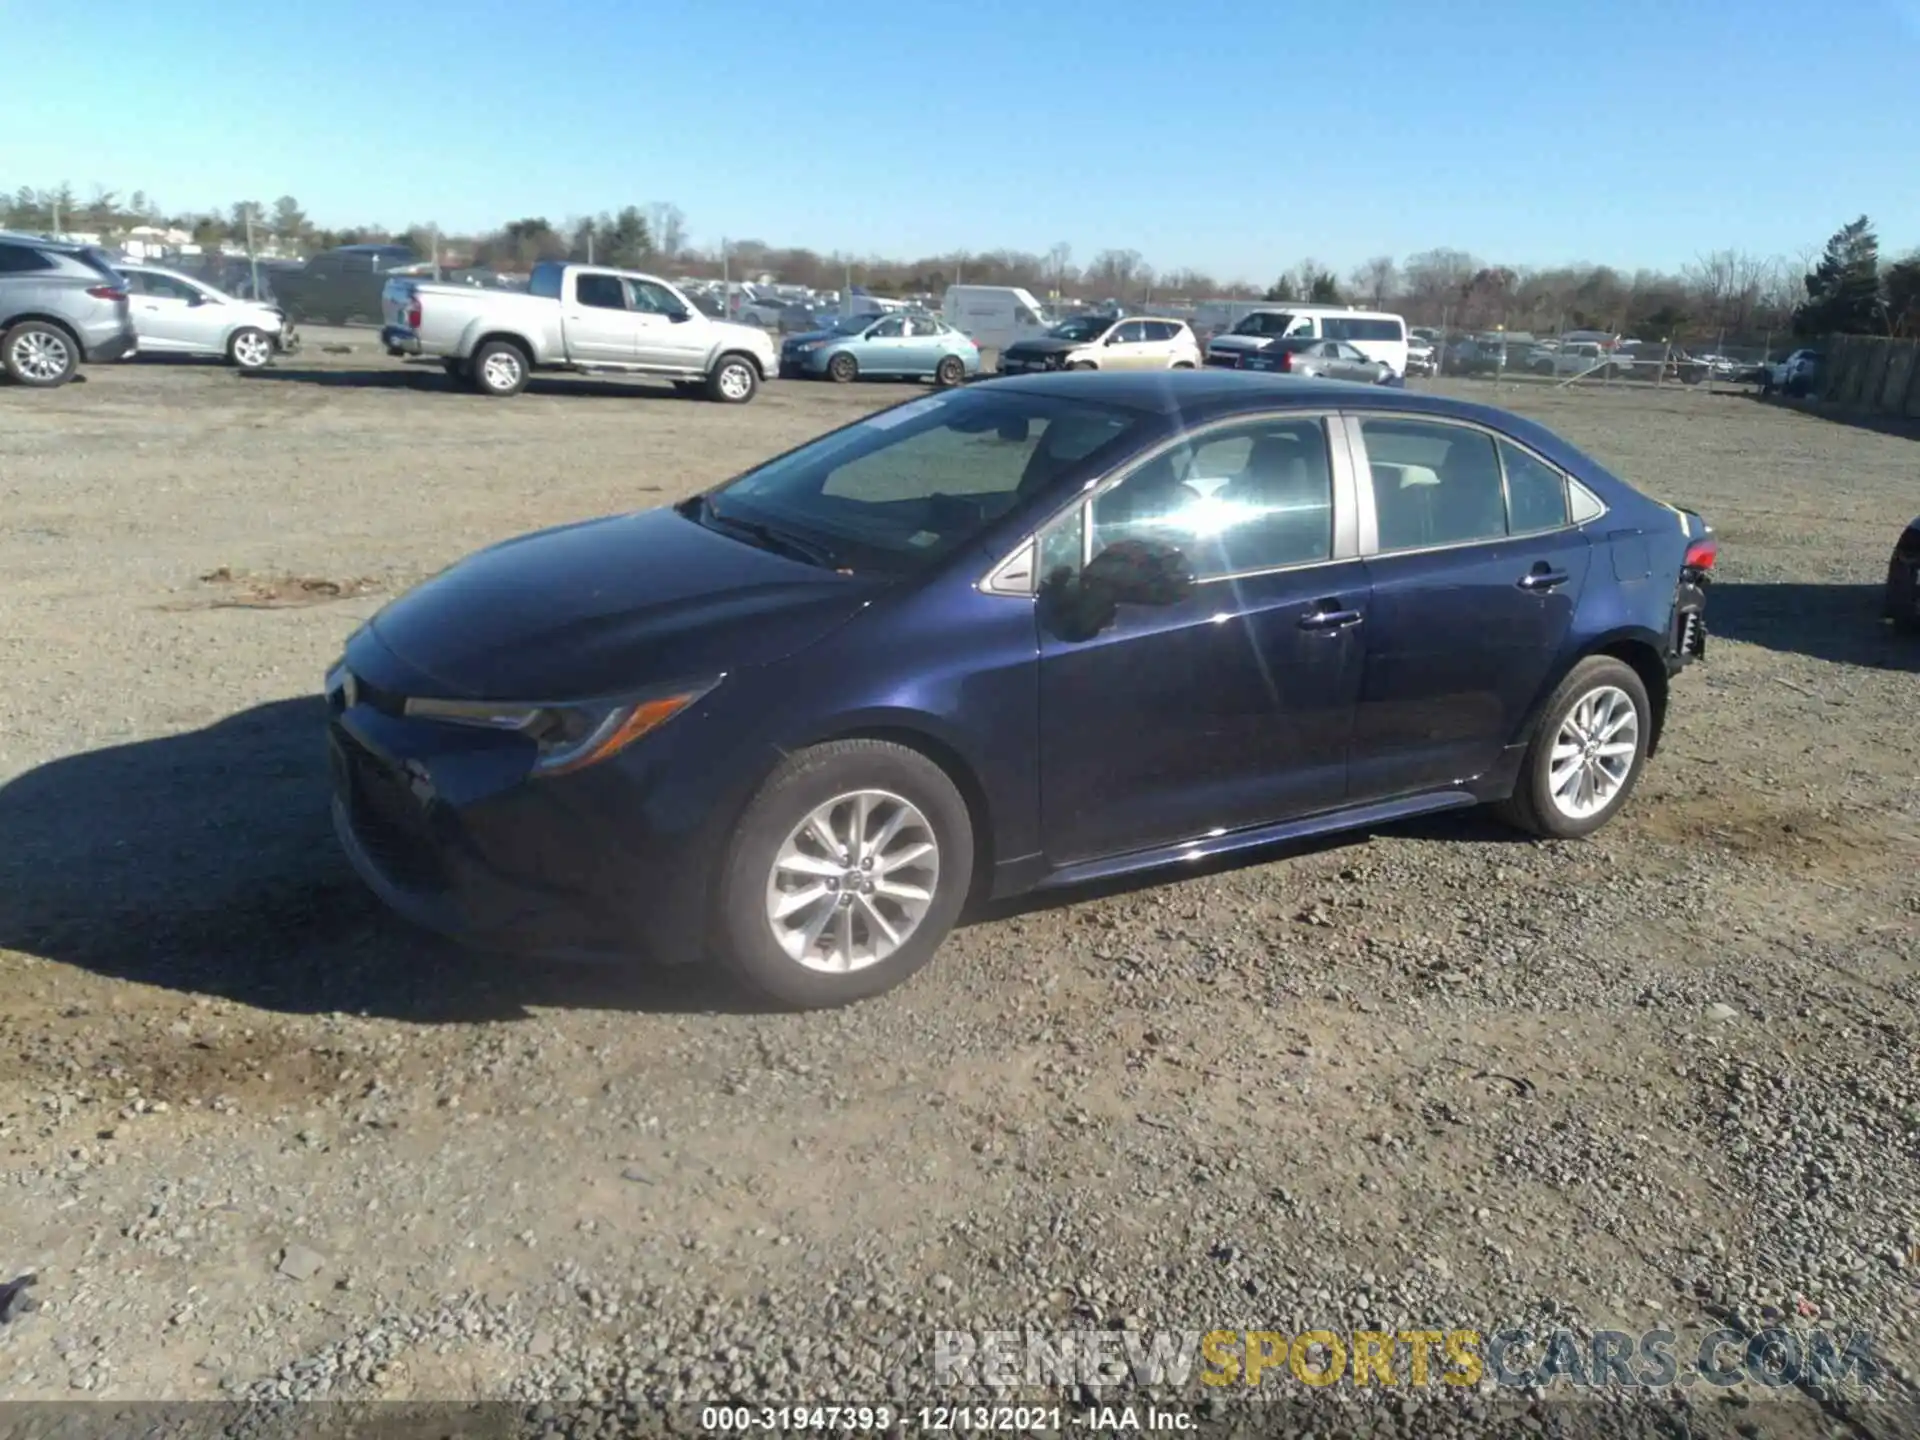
pixel 994 316
pixel 1376 334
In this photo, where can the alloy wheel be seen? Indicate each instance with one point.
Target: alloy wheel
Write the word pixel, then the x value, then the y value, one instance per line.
pixel 852 881
pixel 501 371
pixel 253 350
pixel 735 382
pixel 1593 753
pixel 41 355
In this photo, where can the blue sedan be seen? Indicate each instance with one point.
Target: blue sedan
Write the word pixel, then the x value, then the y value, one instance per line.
pixel 905 345
pixel 1027 634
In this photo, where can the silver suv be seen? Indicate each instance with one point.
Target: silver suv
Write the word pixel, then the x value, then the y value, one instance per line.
pixel 60 305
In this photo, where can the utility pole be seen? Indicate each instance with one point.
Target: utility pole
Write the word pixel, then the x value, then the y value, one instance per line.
pixel 56 219
pixel 253 260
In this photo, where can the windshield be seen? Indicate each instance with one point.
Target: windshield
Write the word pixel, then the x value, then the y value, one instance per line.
pixel 1081 327
pixel 1264 323
pixel 896 492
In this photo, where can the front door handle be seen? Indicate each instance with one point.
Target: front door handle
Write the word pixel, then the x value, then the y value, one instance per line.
pixel 1328 617
pixel 1541 579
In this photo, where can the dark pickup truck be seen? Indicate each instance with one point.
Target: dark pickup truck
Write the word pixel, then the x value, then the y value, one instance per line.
pixel 337 286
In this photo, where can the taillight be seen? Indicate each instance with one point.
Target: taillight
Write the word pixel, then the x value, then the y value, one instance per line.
pixel 1286 360
pixel 413 313
pixel 1701 554
pixel 107 292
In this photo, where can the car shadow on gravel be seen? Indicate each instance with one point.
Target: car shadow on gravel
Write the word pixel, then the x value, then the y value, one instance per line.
pixel 421 377
pixel 205 863
pixel 1837 623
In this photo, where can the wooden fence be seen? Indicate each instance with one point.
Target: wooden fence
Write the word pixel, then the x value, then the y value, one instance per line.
pixel 1873 375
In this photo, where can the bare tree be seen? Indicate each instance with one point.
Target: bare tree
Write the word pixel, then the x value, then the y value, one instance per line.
pixel 1376 281
pixel 1116 273
pixel 668 227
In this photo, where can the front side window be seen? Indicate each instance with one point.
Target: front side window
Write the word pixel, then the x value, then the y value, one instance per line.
pixel 168 288
pixel 1265 322
pixel 889 329
pixel 1255 496
pixel 1131 333
pixel 909 485
pixel 1433 484
pixel 651 299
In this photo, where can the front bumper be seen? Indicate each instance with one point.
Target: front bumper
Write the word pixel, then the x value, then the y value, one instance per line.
pixel 1030 364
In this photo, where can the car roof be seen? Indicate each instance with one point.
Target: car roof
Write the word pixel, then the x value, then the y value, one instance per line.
pixel 20 237
pixel 1197 396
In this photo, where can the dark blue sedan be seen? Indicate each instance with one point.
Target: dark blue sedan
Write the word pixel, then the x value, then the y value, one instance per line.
pixel 1024 634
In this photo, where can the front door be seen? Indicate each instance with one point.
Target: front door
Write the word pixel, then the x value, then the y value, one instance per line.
pixel 1126 347
pixel 1231 706
pixel 884 349
pixel 1474 583
pixel 599 326
pixel 667 334
pixel 166 313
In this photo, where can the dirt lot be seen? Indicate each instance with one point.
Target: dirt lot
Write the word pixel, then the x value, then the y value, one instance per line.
pixel 260 1140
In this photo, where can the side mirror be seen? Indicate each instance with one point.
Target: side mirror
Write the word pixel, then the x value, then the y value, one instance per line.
pixel 679 317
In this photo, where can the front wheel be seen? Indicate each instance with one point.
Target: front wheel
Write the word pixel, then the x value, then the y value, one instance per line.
pixel 250 349
pixel 845 874
pixel 842 369
pixel 949 372
pixel 733 380
pixel 1587 752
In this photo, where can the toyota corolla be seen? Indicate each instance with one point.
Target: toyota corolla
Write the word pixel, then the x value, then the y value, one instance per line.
pixel 1024 634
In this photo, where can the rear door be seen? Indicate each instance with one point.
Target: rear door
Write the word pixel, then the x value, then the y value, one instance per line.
pixel 1474 573
pixel 599 327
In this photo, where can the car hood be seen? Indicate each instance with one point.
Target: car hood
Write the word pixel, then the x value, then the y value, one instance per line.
pixel 609 605
pixel 731 333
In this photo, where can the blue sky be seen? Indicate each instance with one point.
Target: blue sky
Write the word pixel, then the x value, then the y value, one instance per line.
pixel 1235 136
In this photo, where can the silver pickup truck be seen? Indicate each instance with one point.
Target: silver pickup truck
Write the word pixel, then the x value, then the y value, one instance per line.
pixel 583 318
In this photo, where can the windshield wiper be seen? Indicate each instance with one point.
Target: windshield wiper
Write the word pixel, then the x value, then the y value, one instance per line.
pixel 771 538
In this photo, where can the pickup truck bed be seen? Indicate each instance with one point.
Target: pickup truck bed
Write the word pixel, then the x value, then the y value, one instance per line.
pixel 579 318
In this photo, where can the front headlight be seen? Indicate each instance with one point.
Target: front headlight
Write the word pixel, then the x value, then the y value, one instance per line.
pixel 809 347
pixel 572 735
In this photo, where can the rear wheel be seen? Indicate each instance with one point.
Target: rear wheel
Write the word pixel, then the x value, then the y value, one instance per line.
pixel 39 354
pixel 499 369
pixel 949 372
pixel 1903 595
pixel 842 369
pixel 1587 752
pixel 250 349
pixel 845 874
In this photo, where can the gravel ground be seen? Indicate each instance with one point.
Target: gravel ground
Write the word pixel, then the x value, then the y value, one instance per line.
pixel 259 1141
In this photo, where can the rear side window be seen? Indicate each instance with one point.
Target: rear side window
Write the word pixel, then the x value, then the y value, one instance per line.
pixel 601 292
pixel 1165 330
pixel 1349 327
pixel 1433 484
pixel 1536 492
pixel 22 260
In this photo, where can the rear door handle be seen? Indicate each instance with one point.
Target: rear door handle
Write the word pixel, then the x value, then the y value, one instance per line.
pixel 1543 579
pixel 1329 617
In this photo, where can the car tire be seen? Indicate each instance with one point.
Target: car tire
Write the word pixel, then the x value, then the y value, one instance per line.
pixel 499 369
pixel 824 783
pixel 1902 604
pixel 1606 699
pixel 249 349
pixel 734 380
pixel 950 372
pixel 843 369
pixel 39 354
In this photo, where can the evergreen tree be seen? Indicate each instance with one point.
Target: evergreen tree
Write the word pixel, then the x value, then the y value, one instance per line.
pixel 1843 290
